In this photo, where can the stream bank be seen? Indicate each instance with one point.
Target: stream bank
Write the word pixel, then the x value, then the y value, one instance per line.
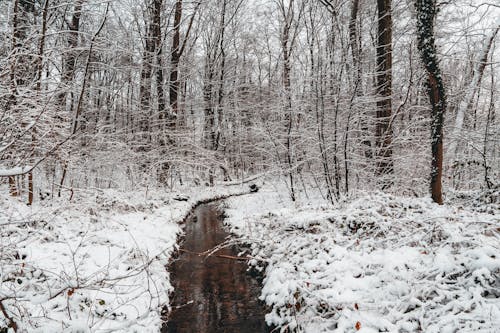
pixel 213 293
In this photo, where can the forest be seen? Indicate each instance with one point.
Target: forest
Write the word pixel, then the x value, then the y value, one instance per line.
pixel 350 150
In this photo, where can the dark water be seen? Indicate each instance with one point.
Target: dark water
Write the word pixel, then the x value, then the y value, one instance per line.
pixel 213 294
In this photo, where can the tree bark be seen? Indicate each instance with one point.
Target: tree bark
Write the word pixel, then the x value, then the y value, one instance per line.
pixel 69 58
pixel 157 36
pixel 426 12
pixel 148 60
pixel 384 89
pixel 177 49
pixel 11 101
pixel 41 49
pixel 354 40
pixel 220 93
pixel 174 65
pixel 288 37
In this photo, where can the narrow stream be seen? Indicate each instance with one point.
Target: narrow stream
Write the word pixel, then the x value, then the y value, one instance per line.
pixel 214 294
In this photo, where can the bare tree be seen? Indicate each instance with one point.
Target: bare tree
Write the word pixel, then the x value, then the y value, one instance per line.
pixel 177 49
pixel 240 88
pixel 290 15
pixel 471 92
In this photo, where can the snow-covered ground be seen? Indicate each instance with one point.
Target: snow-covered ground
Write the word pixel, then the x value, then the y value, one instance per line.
pixel 95 264
pixel 374 263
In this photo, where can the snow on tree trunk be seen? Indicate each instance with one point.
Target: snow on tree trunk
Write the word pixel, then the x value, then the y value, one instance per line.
pixel 426 12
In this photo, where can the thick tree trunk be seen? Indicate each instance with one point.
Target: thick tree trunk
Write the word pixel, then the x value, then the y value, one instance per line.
pixel 426 11
pixel 384 90
pixel 177 49
pixel 152 41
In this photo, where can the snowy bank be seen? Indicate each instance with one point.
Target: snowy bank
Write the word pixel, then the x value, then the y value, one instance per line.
pixel 95 264
pixel 377 263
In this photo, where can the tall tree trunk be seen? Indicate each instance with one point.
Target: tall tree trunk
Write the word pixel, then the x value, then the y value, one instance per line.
pixel 69 57
pixel 209 137
pixel 209 115
pixel 41 48
pixel 39 65
pixel 426 12
pixel 220 97
pixel 68 70
pixel 288 37
pixel 12 100
pixel 177 49
pixel 384 89
pixel 174 66
pixel 157 36
pixel 354 41
pixel 489 120
pixel 288 115
pixel 151 42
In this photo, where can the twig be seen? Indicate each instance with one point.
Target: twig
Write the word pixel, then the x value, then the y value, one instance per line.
pixel 12 324
pixel 225 256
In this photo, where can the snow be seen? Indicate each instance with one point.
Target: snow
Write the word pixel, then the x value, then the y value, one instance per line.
pixel 374 263
pixel 14 171
pixel 95 264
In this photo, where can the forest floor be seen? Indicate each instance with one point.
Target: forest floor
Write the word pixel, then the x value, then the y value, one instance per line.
pixel 96 263
pixel 374 262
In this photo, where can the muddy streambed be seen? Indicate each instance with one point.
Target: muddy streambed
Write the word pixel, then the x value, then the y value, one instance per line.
pixel 212 294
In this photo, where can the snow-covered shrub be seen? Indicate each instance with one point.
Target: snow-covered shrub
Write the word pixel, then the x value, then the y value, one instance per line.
pixel 378 263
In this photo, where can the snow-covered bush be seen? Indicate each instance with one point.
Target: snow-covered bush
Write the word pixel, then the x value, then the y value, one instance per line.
pixel 378 263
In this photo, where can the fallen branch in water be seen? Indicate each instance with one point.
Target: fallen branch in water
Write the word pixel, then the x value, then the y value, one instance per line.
pixel 205 254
